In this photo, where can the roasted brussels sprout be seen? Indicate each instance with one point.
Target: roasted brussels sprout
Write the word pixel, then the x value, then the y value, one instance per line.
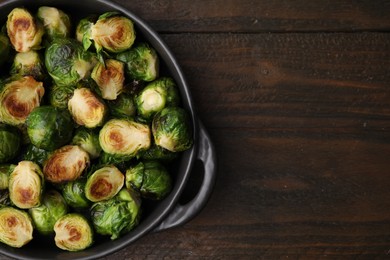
pixel 118 215
pixel 73 232
pixel 35 154
pixel 26 184
pixel 155 96
pixel 124 138
pixel 110 78
pixel 49 128
pixel 104 183
pixel 24 32
pixel 171 129
pixel 28 64
pixel 52 208
pixel 10 142
pixel 60 95
pixel 67 62
pixel 156 152
pixel 74 194
pixel 65 164
pixel 5 48
pixel 150 178
pixel 122 107
pixel 83 30
pixel 16 227
pixel 5 171
pixel 88 139
pixel 18 98
pixel 141 61
pixel 57 24
pixel 112 32
pixel 86 108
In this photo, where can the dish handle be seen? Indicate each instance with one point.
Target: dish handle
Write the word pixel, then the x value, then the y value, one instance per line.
pixel 184 213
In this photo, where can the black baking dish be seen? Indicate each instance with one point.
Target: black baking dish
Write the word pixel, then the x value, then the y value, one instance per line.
pixel 167 213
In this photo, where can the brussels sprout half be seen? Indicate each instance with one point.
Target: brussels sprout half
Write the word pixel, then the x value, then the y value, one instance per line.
pixel 104 183
pixel 26 184
pixel 10 142
pixel 24 32
pixel 86 108
pixel 112 32
pixel 52 208
pixel 65 164
pixel 110 78
pixel 155 96
pixel 73 232
pixel 74 194
pixel 55 21
pixel 67 62
pixel 141 61
pixel 49 128
pixel 16 227
pixel 124 138
pixel 150 178
pixel 172 130
pixel 118 215
pixel 28 64
pixel 88 139
pixel 18 98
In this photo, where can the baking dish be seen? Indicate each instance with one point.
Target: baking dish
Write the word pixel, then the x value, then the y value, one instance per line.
pixel 157 216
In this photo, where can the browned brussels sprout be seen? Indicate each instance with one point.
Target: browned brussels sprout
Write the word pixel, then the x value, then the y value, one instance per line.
pixel 86 108
pixel 26 184
pixel 16 228
pixel 104 183
pixel 112 32
pixel 65 164
pixel 18 98
pixel 123 138
pixel 73 232
pixel 23 30
pixel 110 78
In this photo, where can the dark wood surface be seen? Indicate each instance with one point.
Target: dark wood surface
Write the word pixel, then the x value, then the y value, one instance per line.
pixel 296 97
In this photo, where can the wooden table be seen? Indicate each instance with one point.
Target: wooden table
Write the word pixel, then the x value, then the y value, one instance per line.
pixel 296 97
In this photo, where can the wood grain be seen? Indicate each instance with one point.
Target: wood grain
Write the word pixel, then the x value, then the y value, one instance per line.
pixel 301 126
pixel 292 82
pixel 262 16
pixel 296 97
